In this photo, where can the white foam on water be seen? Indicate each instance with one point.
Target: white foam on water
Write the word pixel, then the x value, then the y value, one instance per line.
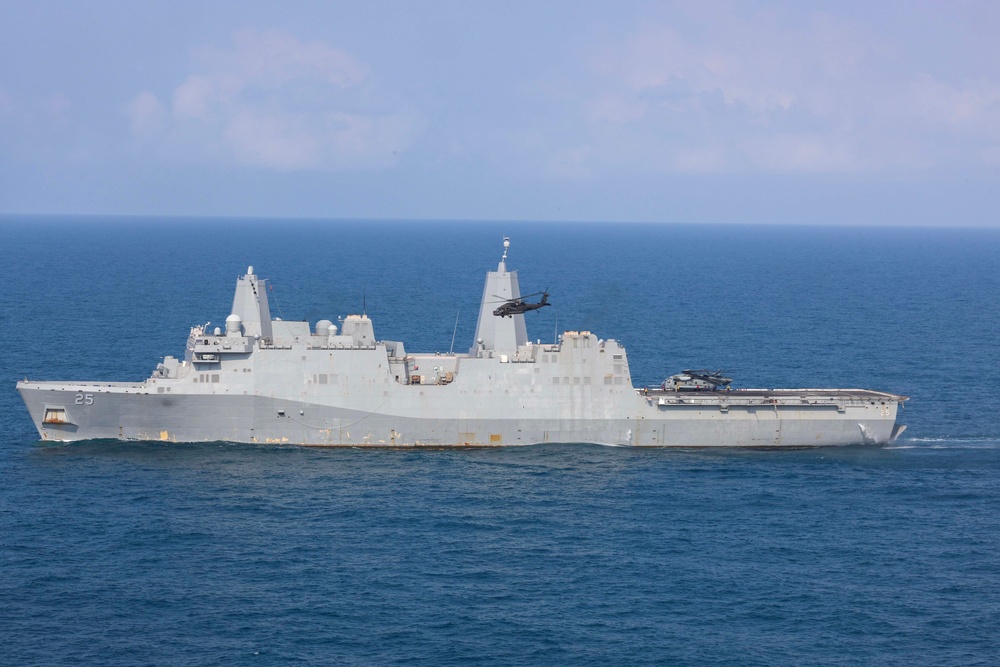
pixel 948 443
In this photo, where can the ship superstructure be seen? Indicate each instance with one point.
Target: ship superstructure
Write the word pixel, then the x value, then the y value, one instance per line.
pixel 263 380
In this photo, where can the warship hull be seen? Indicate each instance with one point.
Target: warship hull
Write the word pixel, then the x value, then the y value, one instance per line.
pixel 788 418
pixel 274 381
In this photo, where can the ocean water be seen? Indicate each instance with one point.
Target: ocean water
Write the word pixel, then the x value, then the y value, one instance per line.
pixel 215 554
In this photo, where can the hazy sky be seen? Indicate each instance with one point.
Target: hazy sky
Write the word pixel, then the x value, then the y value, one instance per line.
pixel 870 112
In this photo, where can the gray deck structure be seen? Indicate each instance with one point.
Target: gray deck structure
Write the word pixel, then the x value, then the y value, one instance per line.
pixel 272 381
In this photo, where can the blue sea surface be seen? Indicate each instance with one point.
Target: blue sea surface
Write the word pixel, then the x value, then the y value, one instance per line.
pixel 119 553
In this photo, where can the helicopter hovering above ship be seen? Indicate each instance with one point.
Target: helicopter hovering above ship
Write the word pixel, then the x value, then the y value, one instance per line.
pixel 517 305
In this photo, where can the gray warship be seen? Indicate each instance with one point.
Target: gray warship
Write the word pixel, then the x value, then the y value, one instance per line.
pixel 264 380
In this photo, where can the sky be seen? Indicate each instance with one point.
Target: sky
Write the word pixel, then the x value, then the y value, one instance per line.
pixel 860 113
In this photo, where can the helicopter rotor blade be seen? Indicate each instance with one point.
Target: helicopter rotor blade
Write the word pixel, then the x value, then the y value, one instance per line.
pixel 500 299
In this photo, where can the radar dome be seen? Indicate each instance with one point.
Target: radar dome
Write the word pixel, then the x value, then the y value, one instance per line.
pixel 323 327
pixel 234 324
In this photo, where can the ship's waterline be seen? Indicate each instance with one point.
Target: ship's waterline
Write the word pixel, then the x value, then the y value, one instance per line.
pixel 260 380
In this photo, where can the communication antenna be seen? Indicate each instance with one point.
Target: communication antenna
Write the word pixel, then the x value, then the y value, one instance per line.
pixel 452 348
pixel 270 288
pixel 364 302
pixel 506 245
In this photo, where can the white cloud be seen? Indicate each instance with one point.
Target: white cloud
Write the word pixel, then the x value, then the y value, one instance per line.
pixel 658 57
pixel 194 97
pixel 743 93
pixel 289 141
pixel 970 105
pixel 273 101
pixel 272 141
pixel 617 109
pixel 146 115
pixel 721 87
pixel 801 152
pixel 271 59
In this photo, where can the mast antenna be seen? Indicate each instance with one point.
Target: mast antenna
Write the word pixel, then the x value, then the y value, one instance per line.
pixel 270 288
pixel 452 348
pixel 506 245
